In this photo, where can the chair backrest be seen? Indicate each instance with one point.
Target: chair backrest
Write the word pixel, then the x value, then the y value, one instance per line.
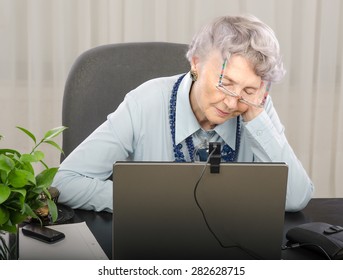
pixel 100 78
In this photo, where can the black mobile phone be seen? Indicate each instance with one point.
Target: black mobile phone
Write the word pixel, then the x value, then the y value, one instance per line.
pixel 42 233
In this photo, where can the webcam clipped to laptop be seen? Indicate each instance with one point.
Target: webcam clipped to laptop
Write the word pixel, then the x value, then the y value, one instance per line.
pixel 167 210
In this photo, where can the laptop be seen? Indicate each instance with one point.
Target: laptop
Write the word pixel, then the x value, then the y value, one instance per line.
pixel 177 211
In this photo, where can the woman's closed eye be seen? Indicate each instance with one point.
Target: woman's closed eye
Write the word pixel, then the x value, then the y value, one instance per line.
pixel 229 86
pixel 249 91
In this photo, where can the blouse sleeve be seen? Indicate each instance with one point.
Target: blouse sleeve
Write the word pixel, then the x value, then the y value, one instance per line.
pixel 268 142
pixel 83 178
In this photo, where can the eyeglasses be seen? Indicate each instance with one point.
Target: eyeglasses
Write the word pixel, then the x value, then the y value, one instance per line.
pixel 251 97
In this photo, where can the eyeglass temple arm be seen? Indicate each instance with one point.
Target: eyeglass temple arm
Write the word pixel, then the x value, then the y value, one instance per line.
pixel 223 68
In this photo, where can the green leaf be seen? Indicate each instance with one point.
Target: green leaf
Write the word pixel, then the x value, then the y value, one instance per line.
pixel 19 178
pixel 34 157
pixel 17 217
pixel 45 178
pixel 47 193
pixel 20 191
pixel 52 209
pixel 28 133
pixel 4 215
pixel 16 200
pixel 55 145
pixel 28 211
pixel 27 158
pixel 6 163
pixel 5 192
pixel 16 158
pixel 9 227
pixel 35 192
pixel 36 204
pixel 38 155
pixel 28 167
pixel 3 176
pixel 9 151
pixel 53 133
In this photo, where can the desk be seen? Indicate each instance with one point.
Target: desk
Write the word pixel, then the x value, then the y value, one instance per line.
pixel 329 210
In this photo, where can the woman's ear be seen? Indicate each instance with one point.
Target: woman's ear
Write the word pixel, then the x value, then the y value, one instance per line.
pixel 194 63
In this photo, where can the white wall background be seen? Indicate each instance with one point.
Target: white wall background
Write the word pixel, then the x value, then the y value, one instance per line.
pixel 40 39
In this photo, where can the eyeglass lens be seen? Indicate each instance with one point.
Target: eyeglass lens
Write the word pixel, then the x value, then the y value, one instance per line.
pixel 251 97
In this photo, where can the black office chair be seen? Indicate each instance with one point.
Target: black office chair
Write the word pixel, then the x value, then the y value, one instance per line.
pixel 100 78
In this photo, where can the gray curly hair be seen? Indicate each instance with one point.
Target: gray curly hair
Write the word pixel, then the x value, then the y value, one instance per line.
pixel 242 35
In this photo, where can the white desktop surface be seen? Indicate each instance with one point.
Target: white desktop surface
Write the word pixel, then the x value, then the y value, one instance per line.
pixel 79 244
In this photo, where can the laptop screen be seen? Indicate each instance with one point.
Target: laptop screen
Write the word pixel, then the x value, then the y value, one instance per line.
pixel 165 210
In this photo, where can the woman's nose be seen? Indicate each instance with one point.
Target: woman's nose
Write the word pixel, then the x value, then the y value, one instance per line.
pixel 231 101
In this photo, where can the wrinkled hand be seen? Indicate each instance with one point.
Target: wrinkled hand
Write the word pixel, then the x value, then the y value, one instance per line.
pixel 251 113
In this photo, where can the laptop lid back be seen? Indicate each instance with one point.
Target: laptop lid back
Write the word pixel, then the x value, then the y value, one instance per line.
pixel 161 211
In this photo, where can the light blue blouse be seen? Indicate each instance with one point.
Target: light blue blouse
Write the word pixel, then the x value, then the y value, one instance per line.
pixel 139 130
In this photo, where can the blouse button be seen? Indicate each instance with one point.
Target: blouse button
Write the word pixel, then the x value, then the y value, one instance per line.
pixel 259 132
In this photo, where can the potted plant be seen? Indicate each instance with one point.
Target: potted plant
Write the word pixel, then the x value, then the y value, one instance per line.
pixel 21 189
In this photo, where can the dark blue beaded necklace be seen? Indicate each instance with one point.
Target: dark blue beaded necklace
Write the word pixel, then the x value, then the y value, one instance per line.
pixel 228 154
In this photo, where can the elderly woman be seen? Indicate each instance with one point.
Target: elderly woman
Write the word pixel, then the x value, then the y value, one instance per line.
pixel 224 98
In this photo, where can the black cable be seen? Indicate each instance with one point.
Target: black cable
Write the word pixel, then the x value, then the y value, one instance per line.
pixel 249 252
pixel 297 245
